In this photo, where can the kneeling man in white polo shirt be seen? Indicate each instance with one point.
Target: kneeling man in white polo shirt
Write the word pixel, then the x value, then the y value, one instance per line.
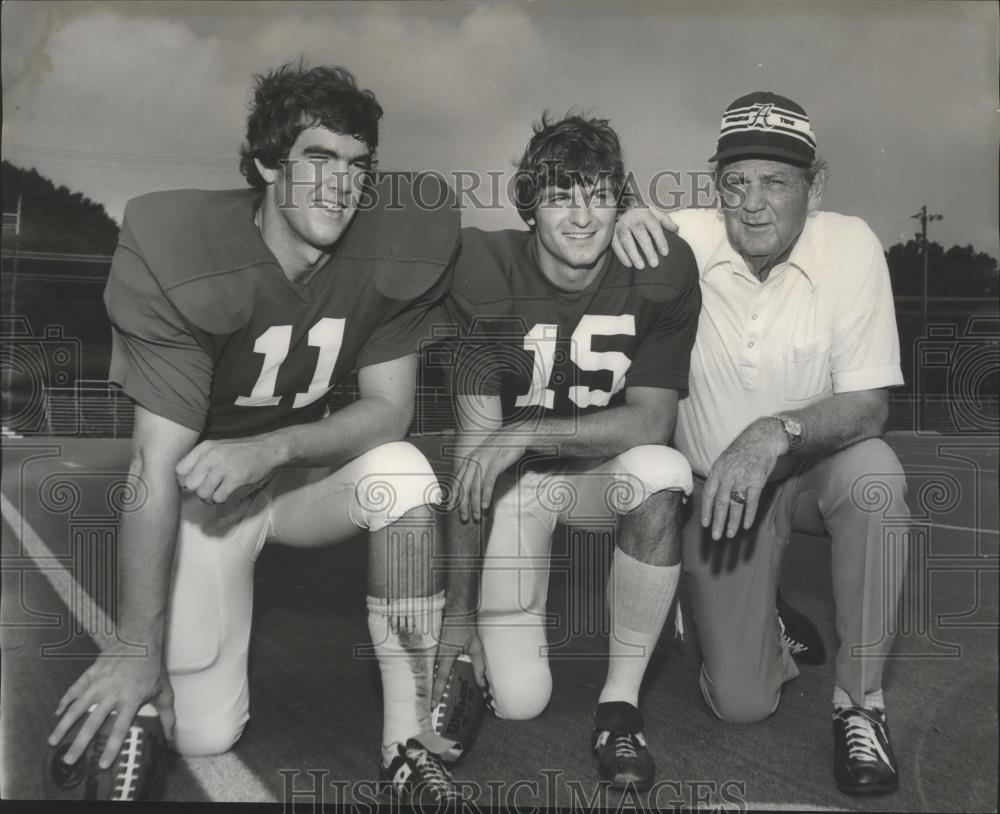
pixel 796 347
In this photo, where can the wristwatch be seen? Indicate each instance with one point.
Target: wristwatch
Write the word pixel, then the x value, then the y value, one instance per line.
pixel 793 429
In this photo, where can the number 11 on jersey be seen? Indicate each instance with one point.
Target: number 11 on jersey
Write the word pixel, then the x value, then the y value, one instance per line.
pixel 327 335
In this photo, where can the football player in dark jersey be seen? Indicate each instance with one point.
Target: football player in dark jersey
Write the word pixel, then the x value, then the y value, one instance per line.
pixel 566 382
pixel 235 313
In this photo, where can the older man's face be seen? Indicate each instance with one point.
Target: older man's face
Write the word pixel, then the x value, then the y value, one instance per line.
pixel 765 204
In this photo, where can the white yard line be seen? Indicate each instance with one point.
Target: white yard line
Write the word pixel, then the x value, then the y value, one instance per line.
pixel 222 778
pixel 225 778
pixel 976 529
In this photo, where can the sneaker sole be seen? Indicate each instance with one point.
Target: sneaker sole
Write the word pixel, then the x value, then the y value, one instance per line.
pixel 868 791
pixel 622 781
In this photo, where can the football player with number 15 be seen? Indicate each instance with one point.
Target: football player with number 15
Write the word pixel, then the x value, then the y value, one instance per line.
pixel 566 382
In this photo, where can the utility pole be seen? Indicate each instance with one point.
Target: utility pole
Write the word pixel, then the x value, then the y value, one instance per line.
pixel 921 237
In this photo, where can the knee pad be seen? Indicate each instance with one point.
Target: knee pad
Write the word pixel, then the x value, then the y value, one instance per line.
pixel 396 478
pixel 212 708
pixel 658 468
pixel 210 596
pixel 516 665
pixel 194 635
pixel 204 742
pixel 521 692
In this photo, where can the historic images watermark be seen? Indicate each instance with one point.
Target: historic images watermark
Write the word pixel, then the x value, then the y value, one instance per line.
pixel 550 790
pixel 496 190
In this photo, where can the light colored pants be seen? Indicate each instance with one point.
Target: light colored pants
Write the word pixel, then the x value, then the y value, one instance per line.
pixel 528 503
pixel 208 629
pixel 857 497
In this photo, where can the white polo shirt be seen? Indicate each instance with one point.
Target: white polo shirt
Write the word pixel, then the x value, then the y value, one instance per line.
pixel 823 322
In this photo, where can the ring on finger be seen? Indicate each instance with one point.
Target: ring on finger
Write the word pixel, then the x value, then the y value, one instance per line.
pixel 737 496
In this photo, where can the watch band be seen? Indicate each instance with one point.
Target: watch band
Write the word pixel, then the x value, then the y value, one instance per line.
pixel 793 430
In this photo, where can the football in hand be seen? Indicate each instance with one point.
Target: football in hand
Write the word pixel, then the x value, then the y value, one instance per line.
pixel 462 708
pixel 134 774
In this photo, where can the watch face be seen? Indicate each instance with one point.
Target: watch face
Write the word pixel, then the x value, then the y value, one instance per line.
pixel 793 427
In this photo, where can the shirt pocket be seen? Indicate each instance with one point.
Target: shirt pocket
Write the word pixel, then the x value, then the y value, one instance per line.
pixel 807 355
pixel 807 370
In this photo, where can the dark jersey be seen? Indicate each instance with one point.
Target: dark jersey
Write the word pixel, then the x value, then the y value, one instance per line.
pixel 541 348
pixel 210 333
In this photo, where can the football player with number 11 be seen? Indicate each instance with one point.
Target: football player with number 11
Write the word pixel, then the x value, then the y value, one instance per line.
pixel 235 313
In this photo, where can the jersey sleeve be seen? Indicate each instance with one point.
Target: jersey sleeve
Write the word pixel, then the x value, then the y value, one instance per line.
pixel 478 355
pixel 865 343
pixel 475 309
pixel 663 358
pixel 155 358
pixel 409 325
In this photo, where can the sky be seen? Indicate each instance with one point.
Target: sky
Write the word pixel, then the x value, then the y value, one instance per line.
pixel 116 99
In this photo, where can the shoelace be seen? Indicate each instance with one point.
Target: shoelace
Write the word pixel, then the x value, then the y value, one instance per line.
pixel 793 644
pixel 438 712
pixel 625 743
pixel 862 740
pixel 625 746
pixel 433 773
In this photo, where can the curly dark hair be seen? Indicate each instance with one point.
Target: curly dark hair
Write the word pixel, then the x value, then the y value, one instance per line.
pixel 575 149
pixel 291 98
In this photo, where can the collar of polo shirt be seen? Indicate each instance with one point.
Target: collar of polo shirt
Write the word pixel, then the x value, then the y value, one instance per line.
pixel 802 258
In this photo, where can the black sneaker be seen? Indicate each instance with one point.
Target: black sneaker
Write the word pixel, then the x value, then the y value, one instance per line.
pixel 863 762
pixel 800 634
pixel 418 777
pixel 622 755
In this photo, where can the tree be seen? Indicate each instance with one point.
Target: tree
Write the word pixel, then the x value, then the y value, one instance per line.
pixel 960 271
pixel 55 219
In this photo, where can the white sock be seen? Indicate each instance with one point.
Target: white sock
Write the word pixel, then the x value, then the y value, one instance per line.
pixel 873 700
pixel 639 598
pixel 405 635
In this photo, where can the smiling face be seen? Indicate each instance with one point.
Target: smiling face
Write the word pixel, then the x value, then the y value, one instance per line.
pixel 313 195
pixel 573 232
pixel 765 204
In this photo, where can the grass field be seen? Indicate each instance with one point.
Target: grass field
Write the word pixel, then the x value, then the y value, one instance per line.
pixel 316 709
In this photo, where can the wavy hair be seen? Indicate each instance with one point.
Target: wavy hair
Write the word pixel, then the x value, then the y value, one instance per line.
pixel 292 98
pixel 574 149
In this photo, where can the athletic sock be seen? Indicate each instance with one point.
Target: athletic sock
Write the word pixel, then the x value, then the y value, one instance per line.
pixel 873 700
pixel 405 635
pixel 639 599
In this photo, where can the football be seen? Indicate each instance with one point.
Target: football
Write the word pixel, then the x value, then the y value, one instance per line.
pixel 462 708
pixel 134 775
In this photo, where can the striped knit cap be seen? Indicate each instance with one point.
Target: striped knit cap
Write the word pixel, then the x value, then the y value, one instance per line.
pixel 765 125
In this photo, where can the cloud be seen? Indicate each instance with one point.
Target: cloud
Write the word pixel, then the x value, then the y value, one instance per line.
pixel 26 26
pixel 114 106
pixel 119 99
pixel 121 83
